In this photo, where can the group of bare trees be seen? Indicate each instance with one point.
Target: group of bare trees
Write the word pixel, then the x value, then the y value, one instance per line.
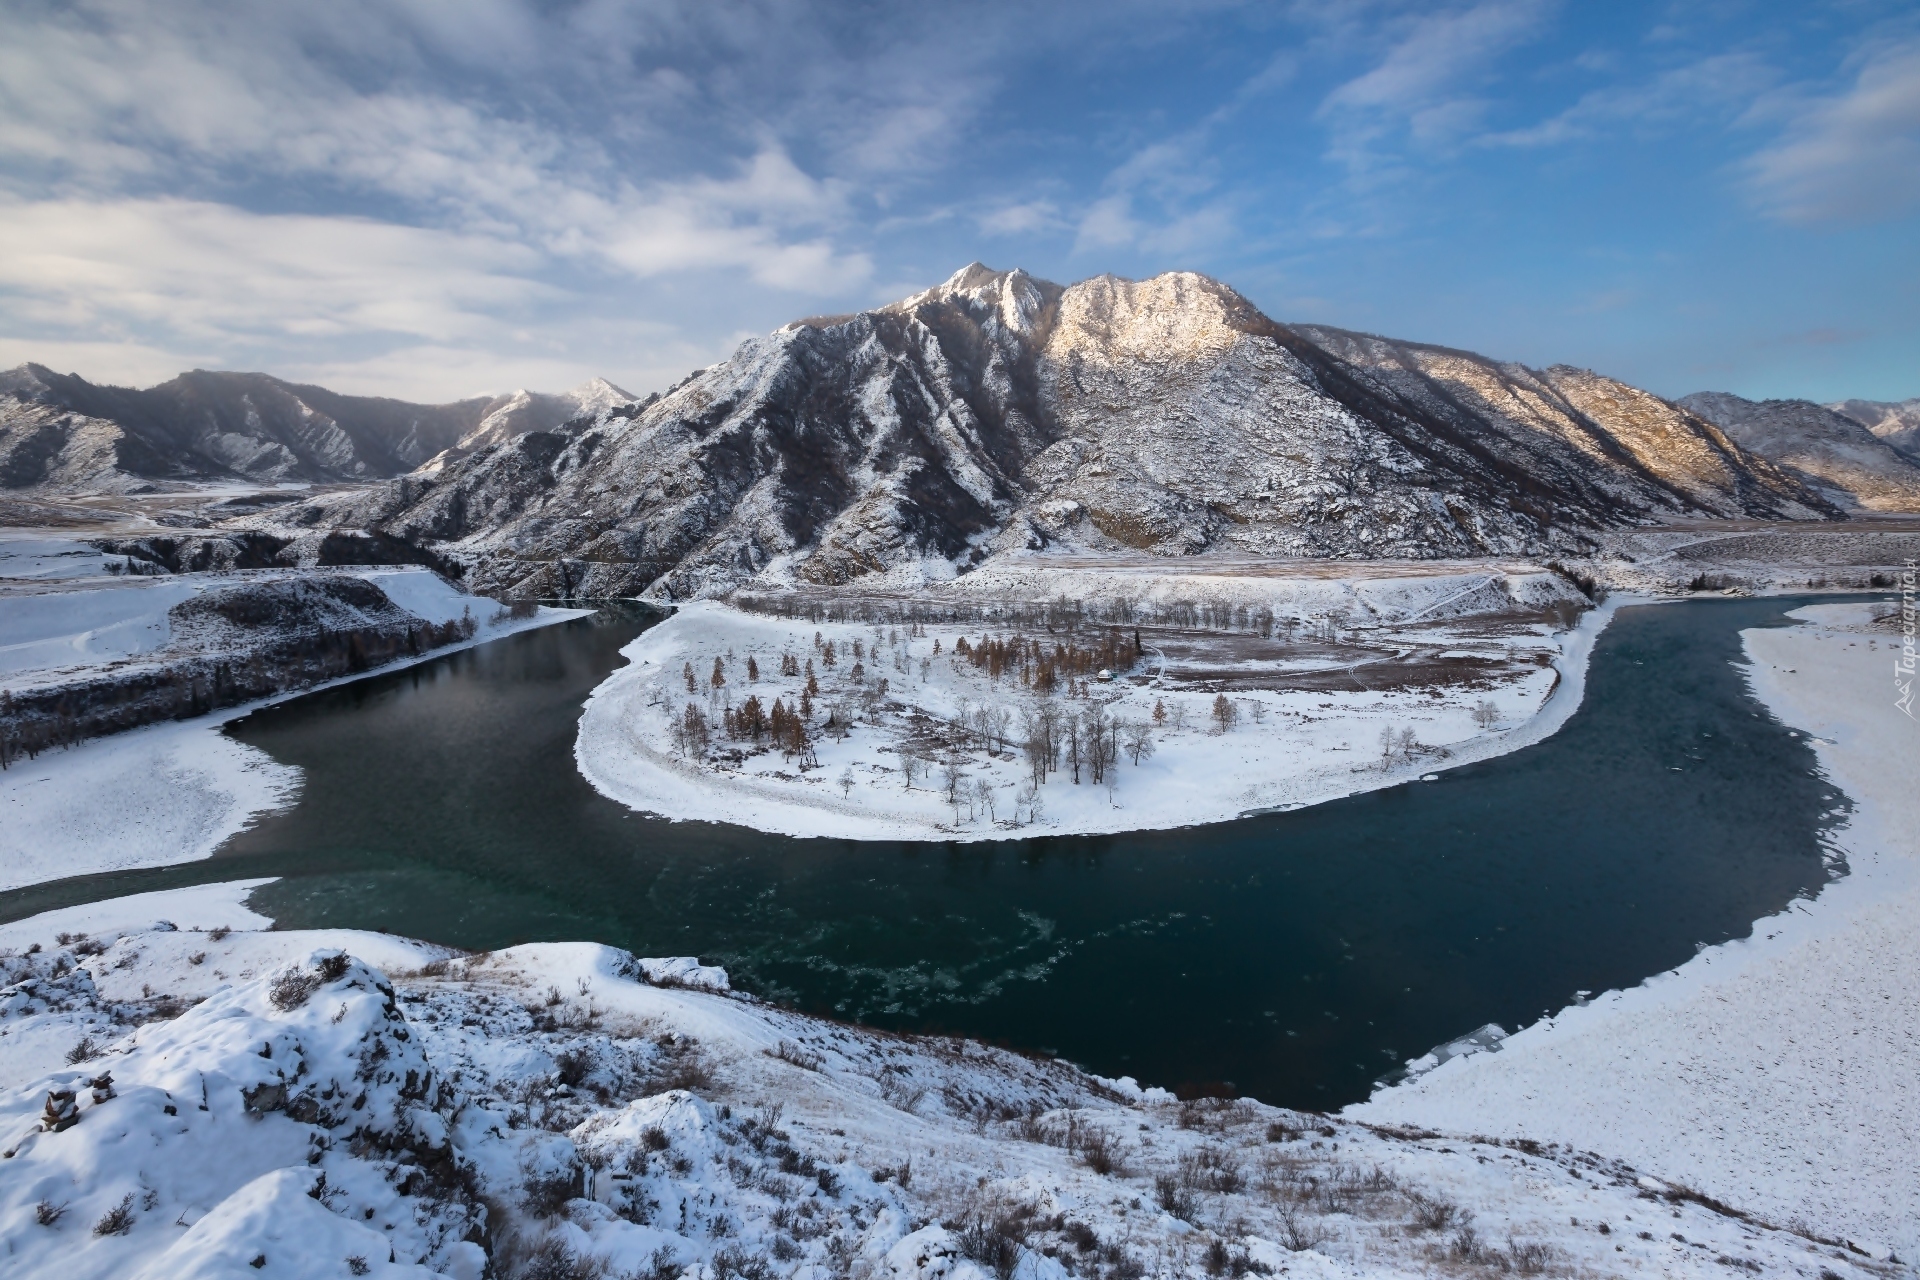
pixel 1398 744
pixel 1061 614
pixel 1056 740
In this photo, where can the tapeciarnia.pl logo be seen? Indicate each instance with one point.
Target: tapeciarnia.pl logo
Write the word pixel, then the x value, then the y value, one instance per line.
pixel 1904 664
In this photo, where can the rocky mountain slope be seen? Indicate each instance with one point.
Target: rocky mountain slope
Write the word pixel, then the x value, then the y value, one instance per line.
pixel 1895 421
pixel 1832 452
pixel 998 412
pixel 61 433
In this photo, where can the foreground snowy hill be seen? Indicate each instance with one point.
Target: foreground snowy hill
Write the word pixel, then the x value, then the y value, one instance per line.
pixel 181 1103
pixel 998 412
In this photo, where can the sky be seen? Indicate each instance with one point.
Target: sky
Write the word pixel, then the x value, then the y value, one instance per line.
pixel 433 200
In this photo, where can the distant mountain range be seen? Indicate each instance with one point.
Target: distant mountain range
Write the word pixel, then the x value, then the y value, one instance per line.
pixel 1834 452
pixel 1896 422
pixel 59 432
pixel 994 413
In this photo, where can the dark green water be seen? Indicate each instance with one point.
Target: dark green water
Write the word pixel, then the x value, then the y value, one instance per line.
pixel 1297 956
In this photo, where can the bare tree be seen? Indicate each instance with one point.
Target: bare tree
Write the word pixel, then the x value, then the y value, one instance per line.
pixel 1035 748
pixel 1485 714
pixel 1139 739
pixel 1386 747
pixel 1408 744
pixel 983 792
pixel 953 777
pixel 1071 740
pixel 1002 721
pixel 1101 748
pixel 983 725
pixel 845 781
pixel 909 765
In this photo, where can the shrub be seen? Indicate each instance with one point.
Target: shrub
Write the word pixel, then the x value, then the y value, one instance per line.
pixel 83 1050
pixel 731 1262
pixel 118 1220
pixel 547 1193
pixel 797 1055
pixel 1431 1213
pixel 551 1259
pixel 995 1245
pixel 291 989
pixel 1173 1195
pixel 48 1214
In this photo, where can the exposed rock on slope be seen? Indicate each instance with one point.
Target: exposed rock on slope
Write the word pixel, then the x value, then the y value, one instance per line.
pixel 1831 451
pixel 60 432
pixel 1601 443
pixel 1896 422
pixel 998 412
pixel 508 417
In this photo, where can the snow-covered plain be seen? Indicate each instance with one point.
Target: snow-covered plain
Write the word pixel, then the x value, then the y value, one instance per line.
pixel 269 1103
pixel 1779 1072
pixel 169 792
pixel 1289 747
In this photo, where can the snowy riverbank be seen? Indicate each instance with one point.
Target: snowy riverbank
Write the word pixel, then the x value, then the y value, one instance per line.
pixel 174 791
pixel 933 745
pixel 230 1101
pixel 1779 1072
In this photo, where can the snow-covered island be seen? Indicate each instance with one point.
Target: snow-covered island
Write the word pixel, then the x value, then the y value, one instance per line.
pixel 1079 696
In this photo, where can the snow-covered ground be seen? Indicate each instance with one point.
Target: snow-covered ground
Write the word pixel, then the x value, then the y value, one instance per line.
pixel 1780 1072
pixel 270 1103
pixel 169 792
pixel 1288 746
pixel 53 627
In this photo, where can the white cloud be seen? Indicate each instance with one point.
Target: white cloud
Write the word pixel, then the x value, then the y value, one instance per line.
pixel 210 273
pixel 1722 82
pixel 1417 85
pixel 135 290
pixel 1021 219
pixel 1853 156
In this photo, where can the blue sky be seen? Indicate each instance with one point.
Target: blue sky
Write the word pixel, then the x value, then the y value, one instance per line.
pixel 440 199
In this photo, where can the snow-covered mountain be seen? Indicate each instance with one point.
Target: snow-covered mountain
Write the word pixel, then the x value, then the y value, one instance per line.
pixel 1895 421
pixel 1833 452
pixel 59 432
pixel 514 415
pixel 998 412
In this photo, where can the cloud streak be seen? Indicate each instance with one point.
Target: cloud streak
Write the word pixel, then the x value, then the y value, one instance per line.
pixel 1851 156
